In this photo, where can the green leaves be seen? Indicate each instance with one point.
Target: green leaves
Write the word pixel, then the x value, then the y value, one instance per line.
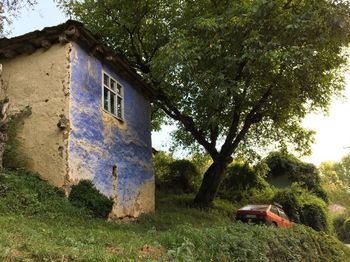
pixel 240 71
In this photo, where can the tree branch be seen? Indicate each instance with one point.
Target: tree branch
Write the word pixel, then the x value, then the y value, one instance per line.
pixel 252 117
pixel 165 104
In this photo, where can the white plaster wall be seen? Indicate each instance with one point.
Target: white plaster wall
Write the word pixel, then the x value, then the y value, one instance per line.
pixel 41 81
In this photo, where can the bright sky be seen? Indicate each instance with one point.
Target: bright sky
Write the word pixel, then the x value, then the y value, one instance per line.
pixel 333 130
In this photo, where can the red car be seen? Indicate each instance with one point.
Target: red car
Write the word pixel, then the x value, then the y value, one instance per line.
pixel 264 214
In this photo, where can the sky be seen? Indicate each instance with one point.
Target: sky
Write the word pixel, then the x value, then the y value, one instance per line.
pixel 333 130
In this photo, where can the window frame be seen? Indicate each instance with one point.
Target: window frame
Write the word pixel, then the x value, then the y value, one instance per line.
pixel 117 96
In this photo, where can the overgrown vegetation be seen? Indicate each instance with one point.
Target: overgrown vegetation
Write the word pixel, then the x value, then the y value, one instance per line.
pixel 307 175
pixel 243 183
pixel 336 180
pixel 14 157
pixel 85 195
pixel 304 200
pixel 39 224
pixel 304 207
pixel 177 176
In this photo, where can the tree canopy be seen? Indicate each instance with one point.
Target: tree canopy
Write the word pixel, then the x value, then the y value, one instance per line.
pixel 9 9
pixel 337 173
pixel 235 75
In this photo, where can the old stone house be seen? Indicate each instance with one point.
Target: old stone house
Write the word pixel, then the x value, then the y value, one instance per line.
pixel 90 113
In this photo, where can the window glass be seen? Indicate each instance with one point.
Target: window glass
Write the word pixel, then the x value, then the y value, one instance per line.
pixel 105 99
pixel 106 80
pixel 112 96
pixel 113 85
pixel 274 210
pixel 112 103
pixel 283 215
pixel 119 89
pixel 119 107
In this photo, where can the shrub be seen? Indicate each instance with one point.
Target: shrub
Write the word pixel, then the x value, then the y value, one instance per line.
pixel 346 232
pixel 161 164
pixel 289 203
pixel 339 229
pixel 85 195
pixel 243 183
pixel 183 177
pixel 304 207
pixel 24 192
pixel 314 217
pixel 306 174
pixel 179 176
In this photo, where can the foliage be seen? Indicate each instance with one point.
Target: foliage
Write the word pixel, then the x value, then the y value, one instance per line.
pixel 184 176
pixel 337 173
pixel 244 183
pixel 25 193
pixel 14 157
pixel 85 195
pixel 306 174
pixel 179 176
pixel 290 204
pixel 236 75
pixel 161 164
pixel 201 160
pixel 59 231
pixel 315 217
pixel 176 175
pixel 341 224
pixel 10 9
pixel 304 207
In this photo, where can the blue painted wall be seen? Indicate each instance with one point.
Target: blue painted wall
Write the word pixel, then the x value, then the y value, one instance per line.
pixel 98 141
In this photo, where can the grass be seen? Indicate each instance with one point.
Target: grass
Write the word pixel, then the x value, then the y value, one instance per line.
pixel 38 224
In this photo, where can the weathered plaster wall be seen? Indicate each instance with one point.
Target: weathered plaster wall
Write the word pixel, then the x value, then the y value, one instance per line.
pixel 98 141
pixel 41 81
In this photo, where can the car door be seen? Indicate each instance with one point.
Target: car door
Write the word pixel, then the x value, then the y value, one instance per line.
pixel 284 219
pixel 276 216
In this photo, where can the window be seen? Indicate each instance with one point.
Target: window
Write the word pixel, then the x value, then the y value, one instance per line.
pixel 282 214
pixel 112 96
pixel 274 210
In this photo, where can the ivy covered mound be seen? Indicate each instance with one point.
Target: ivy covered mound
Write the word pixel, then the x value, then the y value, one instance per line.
pixel 38 223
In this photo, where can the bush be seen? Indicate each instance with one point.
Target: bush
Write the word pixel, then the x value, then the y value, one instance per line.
pixel 161 164
pixel 243 183
pixel 314 217
pixel 23 192
pixel 306 174
pixel 346 232
pixel 290 204
pixel 179 176
pixel 304 207
pixel 338 225
pixel 85 195
pixel 183 177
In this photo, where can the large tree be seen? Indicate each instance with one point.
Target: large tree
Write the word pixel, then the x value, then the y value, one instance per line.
pixel 235 75
pixel 10 9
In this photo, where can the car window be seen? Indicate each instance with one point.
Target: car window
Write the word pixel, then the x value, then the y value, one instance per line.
pixel 283 215
pixel 274 210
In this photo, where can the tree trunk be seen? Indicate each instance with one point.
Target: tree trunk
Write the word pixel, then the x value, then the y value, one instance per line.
pixel 210 184
pixel 3 127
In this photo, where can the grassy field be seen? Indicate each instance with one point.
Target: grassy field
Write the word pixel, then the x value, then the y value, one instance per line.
pixel 38 224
